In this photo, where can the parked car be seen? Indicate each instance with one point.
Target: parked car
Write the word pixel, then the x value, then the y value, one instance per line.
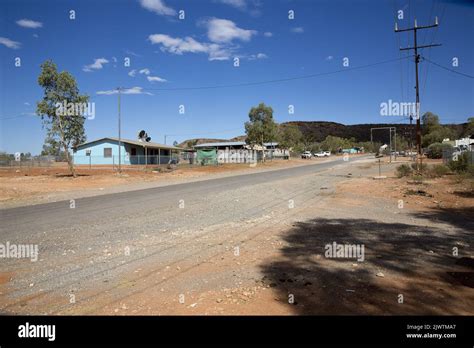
pixel 306 155
pixel 322 154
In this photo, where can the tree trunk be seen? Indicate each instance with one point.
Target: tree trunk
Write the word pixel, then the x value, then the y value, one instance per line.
pixel 66 150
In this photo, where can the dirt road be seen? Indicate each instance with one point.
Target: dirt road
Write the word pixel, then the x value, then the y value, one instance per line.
pixel 247 244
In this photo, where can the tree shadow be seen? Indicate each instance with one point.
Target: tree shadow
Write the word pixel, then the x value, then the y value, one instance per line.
pixel 464 194
pixel 400 259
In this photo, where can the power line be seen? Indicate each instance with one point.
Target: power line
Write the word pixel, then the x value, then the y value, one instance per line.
pixel 253 83
pixel 435 32
pixel 246 84
pixel 448 69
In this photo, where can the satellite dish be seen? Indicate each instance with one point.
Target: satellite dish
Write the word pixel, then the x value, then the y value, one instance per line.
pixel 143 136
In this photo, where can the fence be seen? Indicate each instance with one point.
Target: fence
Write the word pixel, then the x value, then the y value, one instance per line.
pixel 452 154
pixel 37 161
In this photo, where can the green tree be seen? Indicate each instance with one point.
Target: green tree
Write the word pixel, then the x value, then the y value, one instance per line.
pixel 333 144
pixel 190 143
pixel 52 147
pixel 261 127
pixel 430 122
pixel 470 127
pixel 435 150
pixel 289 136
pixel 401 143
pixel 60 88
pixel 437 135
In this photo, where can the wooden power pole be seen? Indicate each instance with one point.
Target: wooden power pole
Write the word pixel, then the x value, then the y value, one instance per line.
pixel 417 60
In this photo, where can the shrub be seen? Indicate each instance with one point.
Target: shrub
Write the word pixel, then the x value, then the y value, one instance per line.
pixel 461 165
pixel 418 179
pixel 437 170
pixel 404 170
pixel 414 166
pixel 435 150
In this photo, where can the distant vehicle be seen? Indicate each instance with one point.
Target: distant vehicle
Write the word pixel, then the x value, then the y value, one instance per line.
pixel 322 154
pixel 306 155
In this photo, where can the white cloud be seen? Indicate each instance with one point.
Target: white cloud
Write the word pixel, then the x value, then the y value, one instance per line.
pixel 97 65
pixel 189 45
pixel 267 34
pixel 155 79
pixel 132 73
pixel 132 53
pixel 36 35
pixel 329 58
pixel 28 23
pixel 297 30
pixel 158 7
pixel 27 104
pixel 178 45
pixel 221 33
pixel 133 90
pixel 224 31
pixel 145 71
pixel 240 4
pixel 256 56
pixel 10 43
pixel 250 6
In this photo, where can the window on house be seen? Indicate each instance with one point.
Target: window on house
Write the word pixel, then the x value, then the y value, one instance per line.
pixel 107 152
pixel 134 151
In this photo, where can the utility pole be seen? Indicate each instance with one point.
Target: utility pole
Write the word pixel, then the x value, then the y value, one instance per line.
pixel 119 134
pixel 417 60
pixel 165 138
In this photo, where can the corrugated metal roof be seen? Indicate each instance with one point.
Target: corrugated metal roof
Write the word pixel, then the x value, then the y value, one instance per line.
pixel 134 142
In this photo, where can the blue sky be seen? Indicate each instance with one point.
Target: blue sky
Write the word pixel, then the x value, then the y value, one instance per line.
pixel 168 53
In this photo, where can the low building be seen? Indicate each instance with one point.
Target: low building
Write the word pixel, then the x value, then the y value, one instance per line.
pixel 241 152
pixel 105 151
pixel 465 143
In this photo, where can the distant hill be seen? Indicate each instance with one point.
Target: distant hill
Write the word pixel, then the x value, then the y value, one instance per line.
pixel 197 141
pixel 317 131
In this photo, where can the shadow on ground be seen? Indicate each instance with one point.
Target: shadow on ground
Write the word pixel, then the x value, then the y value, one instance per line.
pixel 416 261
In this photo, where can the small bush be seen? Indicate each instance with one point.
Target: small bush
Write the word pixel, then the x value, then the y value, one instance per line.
pixel 418 179
pixel 404 170
pixel 470 170
pixel 414 166
pixel 461 165
pixel 435 150
pixel 437 170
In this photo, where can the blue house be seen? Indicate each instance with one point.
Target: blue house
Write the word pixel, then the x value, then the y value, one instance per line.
pixel 105 151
